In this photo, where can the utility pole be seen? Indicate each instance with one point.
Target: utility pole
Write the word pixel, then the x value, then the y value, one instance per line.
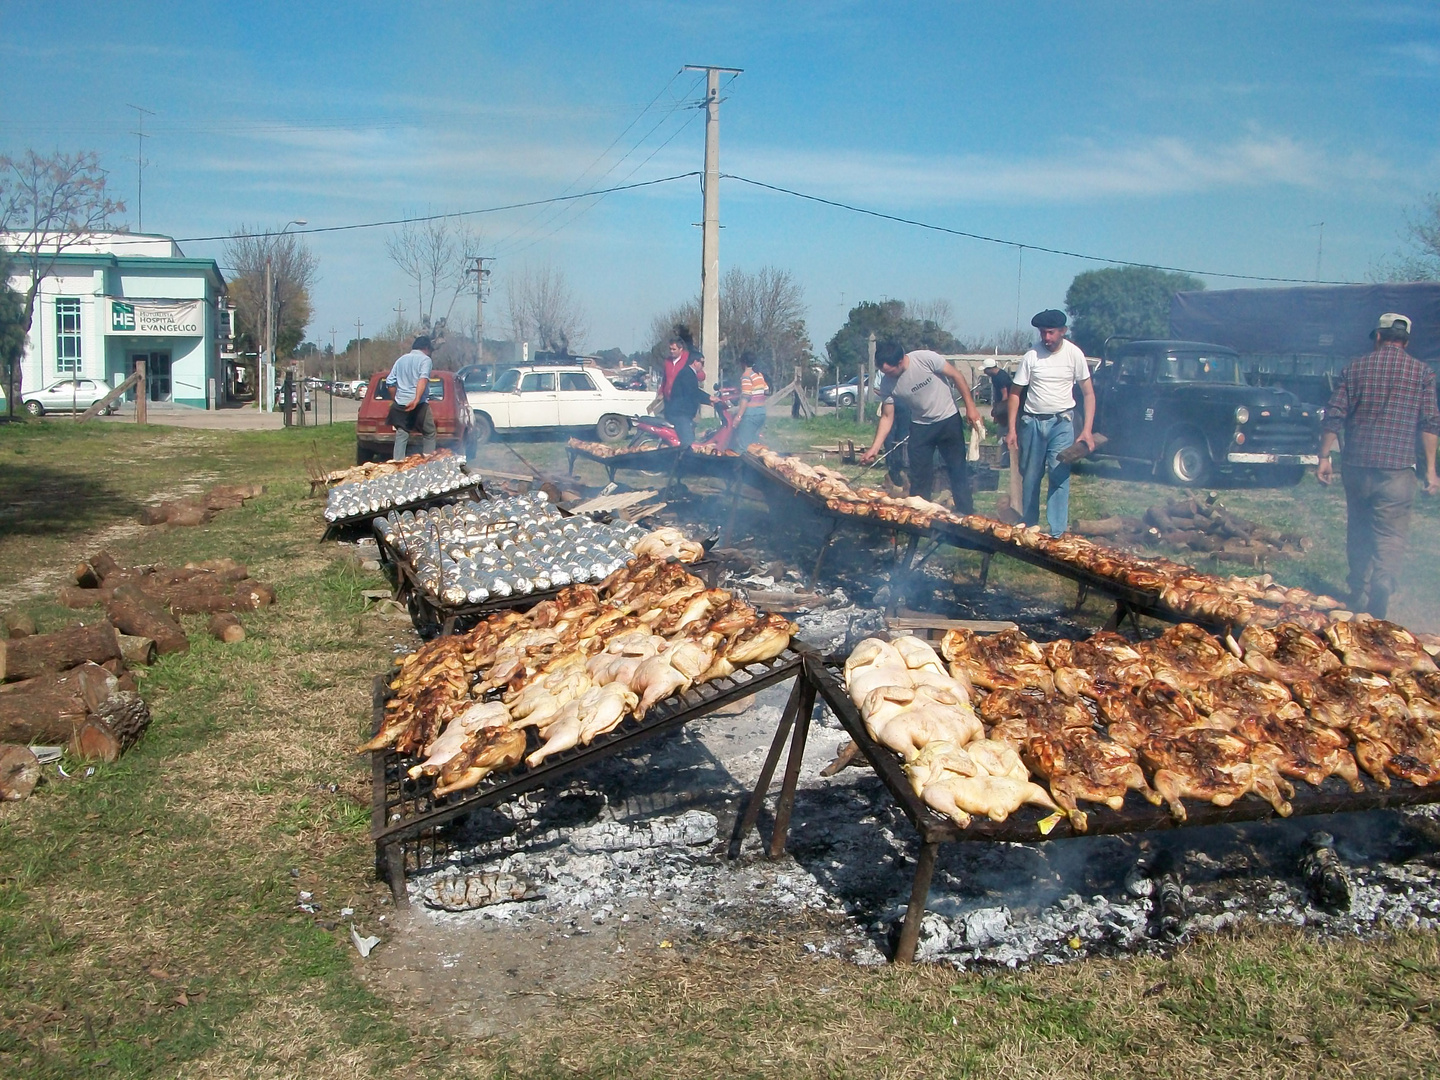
pixel 140 138
pixel 482 278
pixel 865 379
pixel 1319 247
pixel 333 375
pixel 710 241
pixel 358 349
pixel 399 310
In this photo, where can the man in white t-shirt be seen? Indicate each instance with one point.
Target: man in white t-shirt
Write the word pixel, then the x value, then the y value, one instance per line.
pixel 1046 423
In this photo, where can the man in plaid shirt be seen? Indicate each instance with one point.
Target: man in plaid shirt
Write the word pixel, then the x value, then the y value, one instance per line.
pixel 1383 399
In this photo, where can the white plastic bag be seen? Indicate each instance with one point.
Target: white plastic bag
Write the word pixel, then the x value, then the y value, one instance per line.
pixel 972 453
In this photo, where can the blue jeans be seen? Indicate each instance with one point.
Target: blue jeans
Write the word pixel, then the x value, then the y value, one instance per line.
pixel 1040 443
pixel 684 428
pixel 747 431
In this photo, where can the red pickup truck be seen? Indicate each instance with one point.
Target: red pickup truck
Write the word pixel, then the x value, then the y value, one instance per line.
pixel 454 424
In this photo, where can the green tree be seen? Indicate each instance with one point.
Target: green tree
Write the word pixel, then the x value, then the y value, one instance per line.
pixel 1128 301
pixel 888 319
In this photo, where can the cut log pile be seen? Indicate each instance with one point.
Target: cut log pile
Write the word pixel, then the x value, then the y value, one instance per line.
pixel 199 510
pixel 146 601
pixel 1200 525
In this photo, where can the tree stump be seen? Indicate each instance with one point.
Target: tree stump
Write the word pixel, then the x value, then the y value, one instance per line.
pixel 136 612
pixel 19 625
pixel 139 651
pixel 19 772
pixel 73 596
pixel 24 658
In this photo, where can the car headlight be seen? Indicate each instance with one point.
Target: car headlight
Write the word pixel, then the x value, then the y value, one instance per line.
pixel 1320 413
pixel 1242 414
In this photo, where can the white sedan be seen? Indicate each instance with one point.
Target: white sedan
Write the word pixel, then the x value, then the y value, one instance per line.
pixel 547 396
pixel 67 395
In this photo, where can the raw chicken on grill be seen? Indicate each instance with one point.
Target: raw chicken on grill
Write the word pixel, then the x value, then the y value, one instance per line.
pixel 1103 662
pixel 1007 660
pixel 1294 746
pixel 1377 645
pixel 908 707
pixel 1213 766
pixel 953 783
pixel 1287 652
pixel 1187 657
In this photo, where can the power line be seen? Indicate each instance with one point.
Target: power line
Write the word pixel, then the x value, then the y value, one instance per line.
pixel 1026 246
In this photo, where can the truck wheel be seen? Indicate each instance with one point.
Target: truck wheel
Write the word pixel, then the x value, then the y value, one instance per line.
pixel 611 427
pixel 1186 462
pixel 362 455
pixel 1284 475
pixel 484 429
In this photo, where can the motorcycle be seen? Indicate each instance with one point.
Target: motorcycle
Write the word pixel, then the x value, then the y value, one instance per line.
pixel 656 433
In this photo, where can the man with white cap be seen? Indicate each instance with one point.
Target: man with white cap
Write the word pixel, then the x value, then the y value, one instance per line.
pixel 1383 399
pixel 1047 425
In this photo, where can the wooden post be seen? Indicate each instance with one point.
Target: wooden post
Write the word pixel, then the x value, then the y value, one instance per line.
pixel 141 390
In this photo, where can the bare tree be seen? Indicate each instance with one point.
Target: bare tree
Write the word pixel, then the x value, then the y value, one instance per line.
pixel 433 255
pixel 48 204
pixel 543 310
pixel 1007 342
pixel 293 272
pixel 938 311
pixel 1421 262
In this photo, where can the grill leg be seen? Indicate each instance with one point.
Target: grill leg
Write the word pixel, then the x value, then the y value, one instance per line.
pixel 919 893
pixel 746 821
pixel 393 858
pixel 792 768
pixel 820 559
pixel 1117 617
pixel 729 532
pixel 1082 593
pixel 985 568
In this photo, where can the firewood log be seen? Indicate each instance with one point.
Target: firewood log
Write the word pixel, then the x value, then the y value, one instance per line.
pixel 1108 526
pixel 223 569
pixel 19 625
pixel 44 711
pixel 73 596
pixel 136 612
pixel 112 729
pixel 187 515
pixel 247 596
pixel 19 772
pixel 136 650
pixel 90 573
pixel 226 627
pixel 1157 516
pixel 24 658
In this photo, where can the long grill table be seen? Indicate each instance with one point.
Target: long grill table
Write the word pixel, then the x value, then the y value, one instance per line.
pixel 1021 827
pixel 473 491
pixel 407 823
pixel 660 460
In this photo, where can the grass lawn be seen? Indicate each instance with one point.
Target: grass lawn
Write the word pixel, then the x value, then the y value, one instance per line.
pixel 148 914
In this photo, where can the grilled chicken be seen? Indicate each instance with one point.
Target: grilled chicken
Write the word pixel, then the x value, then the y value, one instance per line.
pixel 1156 710
pixel 1388 741
pixel 1230 698
pixel 498 754
pixel 1081 764
pixel 1295 747
pixel 1377 645
pixel 1213 766
pixel 1287 652
pixel 1007 660
pixel 475 723
pixel 1102 663
pixel 1421 691
pixel 1015 715
pixel 1343 694
pixel 1187 657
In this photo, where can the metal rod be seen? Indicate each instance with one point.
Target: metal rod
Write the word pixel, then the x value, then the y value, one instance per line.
pixel 746 821
pixel 786 805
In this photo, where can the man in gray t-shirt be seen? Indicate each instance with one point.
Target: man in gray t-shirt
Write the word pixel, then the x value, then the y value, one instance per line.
pixel 922 380
pixel 409 380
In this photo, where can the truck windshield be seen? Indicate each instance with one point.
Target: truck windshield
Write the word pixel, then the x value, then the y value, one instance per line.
pixel 1197 367
pixel 508 382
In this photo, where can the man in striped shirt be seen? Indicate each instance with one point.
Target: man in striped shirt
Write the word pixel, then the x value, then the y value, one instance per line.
pixel 1384 398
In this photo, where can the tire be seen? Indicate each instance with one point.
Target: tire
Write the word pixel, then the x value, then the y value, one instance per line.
pixel 846 400
pixel 643 442
pixel 34 408
pixel 1284 475
pixel 484 429
pixel 611 427
pixel 1186 462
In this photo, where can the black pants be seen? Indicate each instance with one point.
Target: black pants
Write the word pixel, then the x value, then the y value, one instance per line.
pixel 948 437
pixel 897 462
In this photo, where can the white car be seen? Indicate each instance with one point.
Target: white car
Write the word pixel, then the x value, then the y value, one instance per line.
pixel 552 396
pixel 67 395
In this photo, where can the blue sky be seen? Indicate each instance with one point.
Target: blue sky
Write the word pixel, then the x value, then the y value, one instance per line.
pixel 1206 135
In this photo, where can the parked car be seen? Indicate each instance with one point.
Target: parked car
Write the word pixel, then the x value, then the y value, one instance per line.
pixel 1184 409
pixel 455 428
pixel 553 396
pixel 844 394
pixel 67 395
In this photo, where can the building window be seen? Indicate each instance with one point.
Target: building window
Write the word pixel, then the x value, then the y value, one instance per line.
pixel 67 336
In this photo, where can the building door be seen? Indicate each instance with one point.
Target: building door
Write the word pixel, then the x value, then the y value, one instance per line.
pixel 157 374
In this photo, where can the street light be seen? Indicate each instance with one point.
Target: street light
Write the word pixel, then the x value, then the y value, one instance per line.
pixel 267 381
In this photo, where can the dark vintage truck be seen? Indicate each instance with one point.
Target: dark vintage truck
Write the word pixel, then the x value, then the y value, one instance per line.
pixel 1183 410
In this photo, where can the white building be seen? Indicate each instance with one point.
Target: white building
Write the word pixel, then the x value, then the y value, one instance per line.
pixel 112 299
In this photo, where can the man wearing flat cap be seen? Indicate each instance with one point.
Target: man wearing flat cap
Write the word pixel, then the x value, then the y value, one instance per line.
pixel 1046 423
pixel 1383 399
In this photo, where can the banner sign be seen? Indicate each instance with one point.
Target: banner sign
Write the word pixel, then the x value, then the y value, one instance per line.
pixel 157 318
